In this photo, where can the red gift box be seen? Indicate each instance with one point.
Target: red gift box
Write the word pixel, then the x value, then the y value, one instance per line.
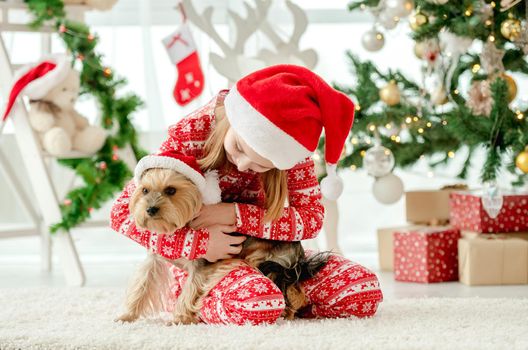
pixel 427 255
pixel 467 213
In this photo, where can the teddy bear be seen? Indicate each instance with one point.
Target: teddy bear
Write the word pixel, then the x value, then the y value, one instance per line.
pixel 101 5
pixel 60 128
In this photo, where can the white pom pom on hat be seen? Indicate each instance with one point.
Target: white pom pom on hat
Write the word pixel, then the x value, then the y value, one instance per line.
pixel 331 185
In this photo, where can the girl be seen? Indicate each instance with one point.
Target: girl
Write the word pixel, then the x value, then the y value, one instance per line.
pixel 260 136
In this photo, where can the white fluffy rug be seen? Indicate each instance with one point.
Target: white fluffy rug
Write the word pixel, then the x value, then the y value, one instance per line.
pixel 81 318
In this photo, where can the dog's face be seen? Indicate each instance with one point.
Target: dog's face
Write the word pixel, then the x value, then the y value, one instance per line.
pixel 164 201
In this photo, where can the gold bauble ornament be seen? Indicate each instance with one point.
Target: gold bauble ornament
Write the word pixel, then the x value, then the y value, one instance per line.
pixel 419 49
pixel 522 161
pixel 511 29
pixel 417 20
pixel 390 93
pixel 512 86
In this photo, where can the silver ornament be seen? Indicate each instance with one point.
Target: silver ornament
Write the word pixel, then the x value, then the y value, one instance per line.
pixel 400 8
pixel 388 20
pixel 373 40
pixel 388 189
pixel 378 161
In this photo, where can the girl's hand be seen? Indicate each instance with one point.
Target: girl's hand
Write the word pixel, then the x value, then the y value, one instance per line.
pixel 216 214
pixel 221 245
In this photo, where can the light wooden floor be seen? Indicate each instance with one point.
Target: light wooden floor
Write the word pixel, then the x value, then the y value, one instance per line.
pixel 109 259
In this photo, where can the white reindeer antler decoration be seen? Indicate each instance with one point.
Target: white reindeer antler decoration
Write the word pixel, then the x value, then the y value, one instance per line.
pixel 234 65
pixel 288 51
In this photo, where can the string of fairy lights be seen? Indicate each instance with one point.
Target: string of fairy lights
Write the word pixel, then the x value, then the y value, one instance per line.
pixel 64 30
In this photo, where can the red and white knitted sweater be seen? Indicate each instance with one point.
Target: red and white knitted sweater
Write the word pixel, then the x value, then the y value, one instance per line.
pixel 302 219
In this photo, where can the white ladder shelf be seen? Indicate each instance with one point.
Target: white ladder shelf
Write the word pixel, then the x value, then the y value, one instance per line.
pixel 43 193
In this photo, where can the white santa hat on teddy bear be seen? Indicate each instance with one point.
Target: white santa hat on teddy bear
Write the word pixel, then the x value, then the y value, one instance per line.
pixel 280 112
pixel 207 183
pixel 37 79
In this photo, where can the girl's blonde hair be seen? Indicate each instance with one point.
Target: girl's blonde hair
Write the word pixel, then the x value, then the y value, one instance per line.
pixel 274 180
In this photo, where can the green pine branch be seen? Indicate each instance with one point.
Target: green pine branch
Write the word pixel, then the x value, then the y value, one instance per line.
pixel 440 133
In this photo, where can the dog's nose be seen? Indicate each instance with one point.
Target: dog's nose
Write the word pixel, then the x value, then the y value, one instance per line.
pixel 152 210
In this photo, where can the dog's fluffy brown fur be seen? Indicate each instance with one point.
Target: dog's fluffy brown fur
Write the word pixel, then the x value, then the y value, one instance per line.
pixel 164 201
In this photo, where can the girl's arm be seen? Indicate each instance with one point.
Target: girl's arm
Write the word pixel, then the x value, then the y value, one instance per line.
pixel 302 219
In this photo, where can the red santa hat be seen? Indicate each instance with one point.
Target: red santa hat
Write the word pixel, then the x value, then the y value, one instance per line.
pixel 207 183
pixel 280 112
pixel 37 79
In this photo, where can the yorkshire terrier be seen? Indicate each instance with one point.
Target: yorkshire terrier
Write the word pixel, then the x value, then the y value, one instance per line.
pixel 166 200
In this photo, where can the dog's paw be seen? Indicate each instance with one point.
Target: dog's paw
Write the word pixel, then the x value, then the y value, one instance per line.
pixel 183 320
pixel 126 318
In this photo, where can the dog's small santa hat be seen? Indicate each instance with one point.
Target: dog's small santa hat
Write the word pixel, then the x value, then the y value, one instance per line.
pixel 207 182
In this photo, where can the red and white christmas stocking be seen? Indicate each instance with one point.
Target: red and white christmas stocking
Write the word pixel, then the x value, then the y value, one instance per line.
pixel 182 52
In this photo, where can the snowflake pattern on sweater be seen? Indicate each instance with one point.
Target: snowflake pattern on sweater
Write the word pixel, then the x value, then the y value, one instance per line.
pixel 342 288
pixel 244 296
pixel 301 219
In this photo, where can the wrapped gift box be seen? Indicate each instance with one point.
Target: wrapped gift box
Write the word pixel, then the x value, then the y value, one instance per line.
pixel 467 213
pixel 426 254
pixel 386 247
pixel 493 260
pixel 427 207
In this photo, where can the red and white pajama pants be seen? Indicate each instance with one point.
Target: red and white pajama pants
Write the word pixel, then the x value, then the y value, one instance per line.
pixel 244 296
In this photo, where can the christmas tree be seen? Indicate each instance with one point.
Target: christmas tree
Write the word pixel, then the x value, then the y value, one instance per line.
pixel 399 122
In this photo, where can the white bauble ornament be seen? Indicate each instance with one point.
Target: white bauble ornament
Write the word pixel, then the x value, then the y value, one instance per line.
pixel 438 2
pixel 373 40
pixel 388 20
pixel 400 8
pixel 388 189
pixel 378 161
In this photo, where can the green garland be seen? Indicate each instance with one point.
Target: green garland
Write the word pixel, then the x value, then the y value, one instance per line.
pixel 439 133
pixel 104 174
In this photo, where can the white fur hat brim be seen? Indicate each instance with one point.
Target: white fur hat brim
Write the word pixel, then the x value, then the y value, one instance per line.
pixel 39 88
pixel 208 185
